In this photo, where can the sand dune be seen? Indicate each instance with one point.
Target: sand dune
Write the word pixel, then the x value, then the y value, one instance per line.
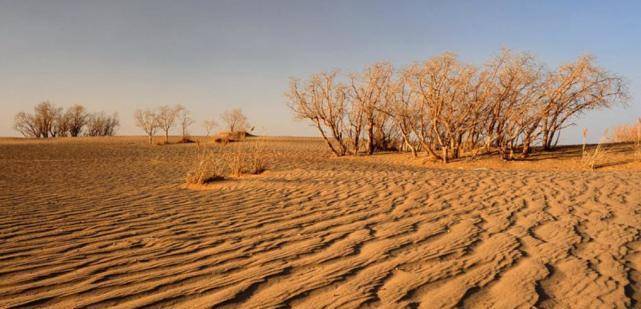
pixel 106 222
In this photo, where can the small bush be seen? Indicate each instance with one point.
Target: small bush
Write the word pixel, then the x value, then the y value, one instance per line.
pixel 236 164
pixel 256 162
pixel 594 158
pixel 208 168
pixel 221 140
pixel 227 161
pixel 186 140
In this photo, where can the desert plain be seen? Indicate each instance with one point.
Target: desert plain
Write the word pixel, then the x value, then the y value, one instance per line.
pixel 109 222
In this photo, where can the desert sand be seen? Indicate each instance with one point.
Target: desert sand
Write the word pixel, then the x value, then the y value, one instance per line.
pixel 107 222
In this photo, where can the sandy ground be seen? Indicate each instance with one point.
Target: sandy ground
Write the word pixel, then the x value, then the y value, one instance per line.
pixel 105 222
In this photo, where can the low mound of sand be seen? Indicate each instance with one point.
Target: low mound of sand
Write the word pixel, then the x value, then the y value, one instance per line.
pixel 106 222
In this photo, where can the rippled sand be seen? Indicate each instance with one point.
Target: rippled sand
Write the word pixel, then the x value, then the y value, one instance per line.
pixel 106 222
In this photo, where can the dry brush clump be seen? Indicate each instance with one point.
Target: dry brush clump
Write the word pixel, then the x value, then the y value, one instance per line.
pixel 596 157
pixel 447 109
pixel 629 133
pixel 166 118
pixel 216 162
pixel 208 167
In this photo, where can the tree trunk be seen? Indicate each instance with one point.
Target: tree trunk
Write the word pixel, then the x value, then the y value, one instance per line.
pixel 370 143
pixel 444 150
pixel 526 149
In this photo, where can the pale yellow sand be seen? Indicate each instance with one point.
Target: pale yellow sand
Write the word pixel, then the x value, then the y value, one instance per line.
pixel 105 222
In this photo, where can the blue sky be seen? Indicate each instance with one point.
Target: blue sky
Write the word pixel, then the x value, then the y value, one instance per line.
pixel 117 55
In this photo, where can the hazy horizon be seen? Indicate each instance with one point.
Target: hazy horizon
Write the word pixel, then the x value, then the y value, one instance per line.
pixel 117 56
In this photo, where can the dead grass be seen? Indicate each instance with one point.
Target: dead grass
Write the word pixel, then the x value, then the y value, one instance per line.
pixel 596 157
pixel 215 162
pixel 208 168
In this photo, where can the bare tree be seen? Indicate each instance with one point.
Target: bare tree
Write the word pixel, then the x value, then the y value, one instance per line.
pixel 76 117
pixel 209 125
pixel 46 114
pixel 184 119
pixel 100 124
pixel 444 87
pixel 26 124
pixel 513 106
pixel 575 88
pixel 42 123
pixel 368 90
pixel 61 125
pixel 235 120
pixel 167 116
pixel 147 120
pixel 322 100
pixel 402 108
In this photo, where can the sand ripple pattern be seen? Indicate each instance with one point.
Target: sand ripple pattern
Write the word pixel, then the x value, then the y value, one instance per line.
pixel 106 224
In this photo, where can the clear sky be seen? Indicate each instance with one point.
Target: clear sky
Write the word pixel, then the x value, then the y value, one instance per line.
pixel 119 55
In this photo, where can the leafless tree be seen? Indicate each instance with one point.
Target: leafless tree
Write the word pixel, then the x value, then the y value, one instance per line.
pixel 402 108
pixel 184 119
pixel 513 103
pixel 322 100
pixel 42 123
pixel 48 120
pixel 27 125
pixel 235 120
pixel 444 87
pixel 147 120
pixel 76 117
pixel 575 88
pixel 209 125
pixel 446 108
pixel 368 90
pixel 167 116
pixel 100 124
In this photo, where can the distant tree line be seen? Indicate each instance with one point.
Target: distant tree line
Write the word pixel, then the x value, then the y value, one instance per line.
pixel 49 120
pixel 448 109
pixel 165 118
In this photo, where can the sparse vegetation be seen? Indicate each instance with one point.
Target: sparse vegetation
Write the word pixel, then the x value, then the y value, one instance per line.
pixel 208 167
pixel 185 121
pixel 166 117
pixel 216 162
pixel 148 121
pixel 596 157
pixel 446 108
pixel 209 125
pixel 49 120
pixel 629 134
pixel 235 120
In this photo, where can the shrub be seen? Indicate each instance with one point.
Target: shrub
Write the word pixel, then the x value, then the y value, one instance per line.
pixel 208 168
pixel 592 159
pixel 186 140
pixel 227 161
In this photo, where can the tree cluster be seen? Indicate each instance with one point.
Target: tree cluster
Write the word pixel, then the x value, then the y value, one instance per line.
pixel 49 120
pixel 447 108
pixel 166 118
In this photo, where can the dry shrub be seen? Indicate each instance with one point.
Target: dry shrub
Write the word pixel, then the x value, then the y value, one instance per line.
pixel 186 140
pixel 248 159
pixel 629 134
pixel 221 140
pixel 593 159
pixel 208 168
pixel 219 162
pixel 255 161
pixel 236 164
